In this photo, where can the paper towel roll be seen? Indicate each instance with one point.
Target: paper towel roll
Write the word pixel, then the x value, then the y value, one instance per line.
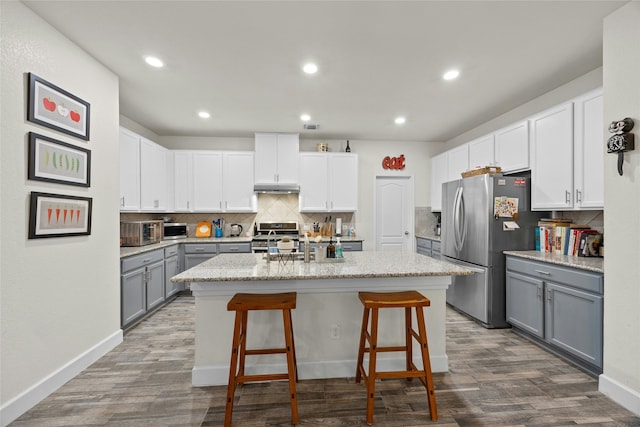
pixel 338 226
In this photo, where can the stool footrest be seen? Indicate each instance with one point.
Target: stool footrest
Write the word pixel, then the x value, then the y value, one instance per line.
pixel 400 374
pixel 265 351
pixel 241 379
pixel 387 349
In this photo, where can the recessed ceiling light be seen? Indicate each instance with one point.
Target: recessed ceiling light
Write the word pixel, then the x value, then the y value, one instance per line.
pixel 400 120
pixel 153 61
pixel 204 114
pixel 310 68
pixel 451 74
pixel 305 117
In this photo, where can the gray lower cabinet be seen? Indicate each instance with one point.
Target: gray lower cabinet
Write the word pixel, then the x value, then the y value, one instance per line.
pixel 197 253
pixel 142 283
pixel 428 247
pixel 559 307
pixel 234 248
pixel 172 266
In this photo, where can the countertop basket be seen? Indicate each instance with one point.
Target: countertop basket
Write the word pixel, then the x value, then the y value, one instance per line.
pixel 482 171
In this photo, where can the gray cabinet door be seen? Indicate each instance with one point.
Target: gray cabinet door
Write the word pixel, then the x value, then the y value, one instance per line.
pixel 191 260
pixel 171 268
pixel 134 295
pixel 574 322
pixel 155 285
pixel 525 307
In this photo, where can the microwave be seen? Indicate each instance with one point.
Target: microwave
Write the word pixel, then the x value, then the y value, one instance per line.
pixel 174 230
pixel 140 233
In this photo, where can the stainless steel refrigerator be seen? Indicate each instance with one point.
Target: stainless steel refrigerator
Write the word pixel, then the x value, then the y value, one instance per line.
pixel 482 216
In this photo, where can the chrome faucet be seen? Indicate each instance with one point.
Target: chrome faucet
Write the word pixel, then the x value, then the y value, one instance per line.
pixel 268 245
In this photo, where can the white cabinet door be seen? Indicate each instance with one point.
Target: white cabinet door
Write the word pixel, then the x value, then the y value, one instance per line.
pixel 439 175
pixel 288 149
pixel 481 152
pixel 512 147
pixel 552 158
pixel 153 176
pixel 458 162
pixel 313 182
pixel 207 181
pixel 237 182
pixel 276 158
pixel 343 182
pixel 129 170
pixel 589 149
pixel 182 180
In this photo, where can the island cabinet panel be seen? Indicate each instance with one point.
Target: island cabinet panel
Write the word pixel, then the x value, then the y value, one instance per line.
pixel 559 307
pixel 423 246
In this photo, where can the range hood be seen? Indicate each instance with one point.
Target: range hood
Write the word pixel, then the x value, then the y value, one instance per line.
pixel 276 188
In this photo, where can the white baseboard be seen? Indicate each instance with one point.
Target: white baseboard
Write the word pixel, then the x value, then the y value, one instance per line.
pixel 619 393
pixel 32 396
pixel 212 375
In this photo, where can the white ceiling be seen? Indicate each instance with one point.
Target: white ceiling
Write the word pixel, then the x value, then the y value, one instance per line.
pixel 241 61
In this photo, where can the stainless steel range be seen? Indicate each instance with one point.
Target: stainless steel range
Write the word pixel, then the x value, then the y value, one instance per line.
pixel 268 233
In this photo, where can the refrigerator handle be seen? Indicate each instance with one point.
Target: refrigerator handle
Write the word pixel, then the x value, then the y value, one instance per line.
pixel 463 220
pixel 456 220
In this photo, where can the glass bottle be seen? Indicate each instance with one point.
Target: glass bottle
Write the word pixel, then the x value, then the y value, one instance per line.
pixel 348 149
pixel 338 248
pixel 331 249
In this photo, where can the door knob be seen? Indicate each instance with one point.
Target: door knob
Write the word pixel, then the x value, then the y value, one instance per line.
pixel 406 233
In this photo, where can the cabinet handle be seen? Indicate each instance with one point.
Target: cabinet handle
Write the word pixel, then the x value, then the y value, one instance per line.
pixel 146 260
pixel 543 272
pixel 187 204
pixel 578 196
pixel 539 292
pixel 122 201
pixel 567 196
pixel 549 296
pixel 199 249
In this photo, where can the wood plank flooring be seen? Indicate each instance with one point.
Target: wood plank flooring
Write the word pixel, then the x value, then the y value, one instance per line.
pixel 496 378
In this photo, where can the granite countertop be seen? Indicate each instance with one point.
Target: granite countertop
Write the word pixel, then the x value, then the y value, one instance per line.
pixel 584 263
pixel 431 236
pixel 366 264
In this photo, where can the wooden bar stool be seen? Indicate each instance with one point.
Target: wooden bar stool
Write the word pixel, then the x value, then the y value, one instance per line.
pixel 373 301
pixel 242 304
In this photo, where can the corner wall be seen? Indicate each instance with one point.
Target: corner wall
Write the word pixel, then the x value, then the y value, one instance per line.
pixel 621 377
pixel 60 297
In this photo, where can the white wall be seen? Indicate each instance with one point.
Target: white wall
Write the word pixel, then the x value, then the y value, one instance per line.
pixel 60 297
pixel 621 377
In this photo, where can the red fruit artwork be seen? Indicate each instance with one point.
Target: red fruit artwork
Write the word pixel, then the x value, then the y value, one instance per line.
pixel 49 104
pixel 49 210
pixel 57 214
pixel 75 116
pixel 77 214
pixel 64 215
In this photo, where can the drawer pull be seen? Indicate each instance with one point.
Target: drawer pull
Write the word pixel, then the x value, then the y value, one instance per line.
pixel 146 260
pixel 199 249
pixel 543 272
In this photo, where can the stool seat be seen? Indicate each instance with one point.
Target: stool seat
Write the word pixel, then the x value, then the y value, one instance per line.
pixel 394 299
pixel 283 301
pixel 408 300
pixel 242 304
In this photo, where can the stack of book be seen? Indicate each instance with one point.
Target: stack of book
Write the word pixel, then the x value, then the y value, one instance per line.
pixel 563 237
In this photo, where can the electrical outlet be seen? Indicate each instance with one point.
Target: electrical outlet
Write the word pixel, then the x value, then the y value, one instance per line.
pixel 335 331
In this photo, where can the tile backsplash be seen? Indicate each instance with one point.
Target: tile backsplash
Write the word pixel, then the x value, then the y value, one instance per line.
pixel 425 222
pixel 271 207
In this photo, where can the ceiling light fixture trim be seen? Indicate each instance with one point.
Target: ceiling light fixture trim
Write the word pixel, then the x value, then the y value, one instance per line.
pixel 153 61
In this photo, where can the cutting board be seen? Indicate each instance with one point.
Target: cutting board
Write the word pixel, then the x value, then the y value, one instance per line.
pixel 203 229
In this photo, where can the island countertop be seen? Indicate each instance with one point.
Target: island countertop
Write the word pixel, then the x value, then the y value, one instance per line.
pixel 366 264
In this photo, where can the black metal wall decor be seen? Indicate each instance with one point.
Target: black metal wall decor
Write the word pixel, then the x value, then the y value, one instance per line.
pixel 621 140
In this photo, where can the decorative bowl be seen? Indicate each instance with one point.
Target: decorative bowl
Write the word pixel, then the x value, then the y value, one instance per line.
pixel 285 247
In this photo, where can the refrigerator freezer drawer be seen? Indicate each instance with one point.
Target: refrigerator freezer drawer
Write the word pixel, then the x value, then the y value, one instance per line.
pixel 470 294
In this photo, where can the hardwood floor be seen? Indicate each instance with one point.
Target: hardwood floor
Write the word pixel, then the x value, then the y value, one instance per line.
pixel 496 378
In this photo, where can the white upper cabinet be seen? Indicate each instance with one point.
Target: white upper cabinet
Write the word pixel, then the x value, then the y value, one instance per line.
pixel 439 175
pixel 214 181
pixel 458 160
pixel 238 181
pixel 129 170
pixel 276 158
pixel 589 149
pixel 481 152
pixel 154 192
pixel 567 155
pixel 552 158
pixel 328 182
pixel 512 147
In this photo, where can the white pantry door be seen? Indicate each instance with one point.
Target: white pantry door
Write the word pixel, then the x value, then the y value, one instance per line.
pixel 394 212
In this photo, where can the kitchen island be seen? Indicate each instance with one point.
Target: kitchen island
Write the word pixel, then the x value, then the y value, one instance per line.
pixel 327 318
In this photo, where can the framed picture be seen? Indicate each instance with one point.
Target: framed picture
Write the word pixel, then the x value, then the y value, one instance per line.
pixel 57 109
pixel 56 161
pixel 58 215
